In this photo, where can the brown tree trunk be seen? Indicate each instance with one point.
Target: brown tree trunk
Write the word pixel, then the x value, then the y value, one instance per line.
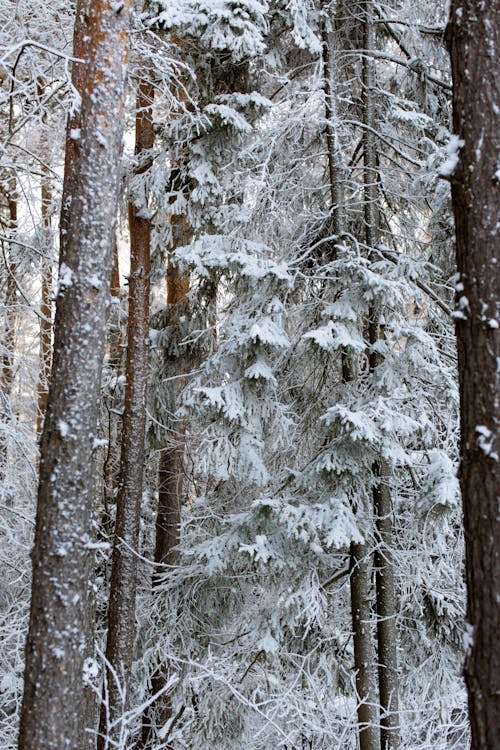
pixel 387 635
pixel 73 129
pixel 364 655
pixel 473 37
pixel 121 613
pixel 53 712
pixel 170 493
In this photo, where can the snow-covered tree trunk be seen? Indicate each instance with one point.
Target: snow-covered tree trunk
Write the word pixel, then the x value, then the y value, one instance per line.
pixel 60 620
pixel 121 613
pixel 78 79
pixel 364 654
pixel 387 636
pixel 474 41
pixel 45 309
pixel 384 564
pixel 335 171
pixel 9 330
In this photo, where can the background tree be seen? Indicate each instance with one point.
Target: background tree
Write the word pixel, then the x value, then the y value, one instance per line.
pixel 121 612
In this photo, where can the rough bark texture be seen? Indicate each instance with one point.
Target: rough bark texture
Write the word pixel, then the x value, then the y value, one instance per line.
pixel 52 717
pixel 387 635
pixel 473 37
pixel 170 476
pixel 121 613
pixel 78 79
pixel 388 681
pixel 364 656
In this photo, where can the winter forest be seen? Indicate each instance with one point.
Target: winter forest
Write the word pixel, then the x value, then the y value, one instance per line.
pixel 249 380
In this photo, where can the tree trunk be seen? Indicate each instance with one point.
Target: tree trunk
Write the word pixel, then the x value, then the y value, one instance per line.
pixel 170 487
pixel 9 335
pixel 473 37
pixel 121 614
pixel 388 679
pixel 364 656
pixel 360 554
pixel 387 635
pixel 45 311
pixel 52 716
pixel 335 171
pixel 73 130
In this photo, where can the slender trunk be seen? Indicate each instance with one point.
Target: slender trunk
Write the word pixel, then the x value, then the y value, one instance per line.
pixel 473 37
pixel 53 713
pixel 113 403
pixel 335 171
pixel 115 334
pixel 388 682
pixel 45 311
pixel 387 636
pixel 360 554
pixel 9 336
pixel 364 656
pixel 121 613
pixel 170 489
pixel 170 481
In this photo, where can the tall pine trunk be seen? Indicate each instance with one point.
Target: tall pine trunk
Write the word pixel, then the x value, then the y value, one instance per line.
pixel 45 309
pixel 53 712
pixel 388 681
pixel 121 613
pixel 170 492
pixel 473 37
pixel 9 329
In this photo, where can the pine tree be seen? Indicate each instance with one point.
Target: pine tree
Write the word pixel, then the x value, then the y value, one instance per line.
pixel 59 638
pixel 473 33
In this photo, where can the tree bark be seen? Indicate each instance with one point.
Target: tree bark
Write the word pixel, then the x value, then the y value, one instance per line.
pixel 60 620
pixel 335 169
pixel 45 311
pixel 473 37
pixel 9 335
pixel 388 676
pixel 73 130
pixel 387 635
pixel 121 613
pixel 170 488
pixel 364 656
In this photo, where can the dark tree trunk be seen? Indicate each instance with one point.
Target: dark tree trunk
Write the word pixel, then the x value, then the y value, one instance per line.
pixel 387 635
pixel 170 487
pixel 170 481
pixel 121 613
pixel 45 311
pixel 9 331
pixel 473 37
pixel 388 679
pixel 53 713
pixel 364 655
